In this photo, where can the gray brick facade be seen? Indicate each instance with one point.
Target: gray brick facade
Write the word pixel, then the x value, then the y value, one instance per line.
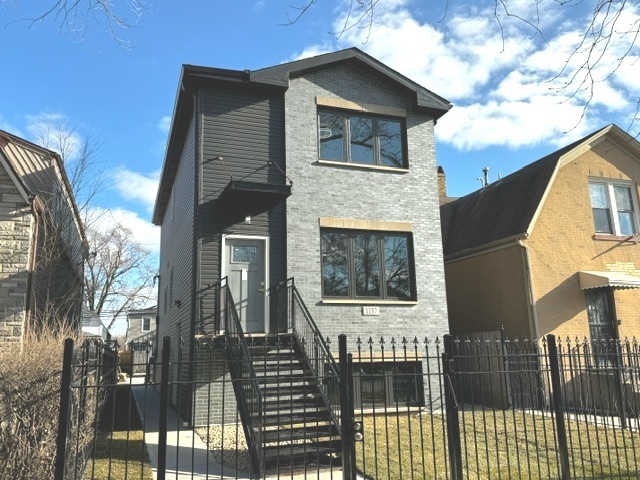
pixel 322 190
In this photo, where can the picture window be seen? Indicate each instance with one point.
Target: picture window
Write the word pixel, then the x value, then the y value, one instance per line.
pixel 361 139
pixel 363 264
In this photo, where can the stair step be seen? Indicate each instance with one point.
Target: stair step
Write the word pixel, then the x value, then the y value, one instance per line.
pixel 310 405
pixel 282 418
pixel 304 435
pixel 304 455
pixel 296 410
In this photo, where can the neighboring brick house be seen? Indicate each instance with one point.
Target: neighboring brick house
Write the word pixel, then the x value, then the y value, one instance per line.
pixel 301 170
pixel 42 243
pixel 551 248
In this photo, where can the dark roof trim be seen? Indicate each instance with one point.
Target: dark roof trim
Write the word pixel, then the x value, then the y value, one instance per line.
pixel 63 176
pixel 281 74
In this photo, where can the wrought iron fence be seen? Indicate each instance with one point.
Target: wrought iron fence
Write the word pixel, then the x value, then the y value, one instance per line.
pixel 456 408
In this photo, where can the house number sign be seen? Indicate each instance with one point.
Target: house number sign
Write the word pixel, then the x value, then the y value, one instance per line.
pixel 370 311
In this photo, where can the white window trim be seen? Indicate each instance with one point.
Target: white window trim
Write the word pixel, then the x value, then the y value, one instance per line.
pixel 613 207
pixel 142 329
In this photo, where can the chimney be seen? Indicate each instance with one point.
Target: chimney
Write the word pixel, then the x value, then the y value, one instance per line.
pixel 442 182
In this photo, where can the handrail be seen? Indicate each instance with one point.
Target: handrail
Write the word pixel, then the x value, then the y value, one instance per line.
pixel 245 384
pixel 315 349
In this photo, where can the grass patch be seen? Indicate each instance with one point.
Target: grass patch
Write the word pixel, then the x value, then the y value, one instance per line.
pixel 494 445
pixel 120 455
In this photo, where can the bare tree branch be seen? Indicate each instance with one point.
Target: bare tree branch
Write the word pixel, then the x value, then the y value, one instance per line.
pixel 79 16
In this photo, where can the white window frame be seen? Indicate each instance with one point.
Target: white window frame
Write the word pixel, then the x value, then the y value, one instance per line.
pixel 613 207
pixel 142 329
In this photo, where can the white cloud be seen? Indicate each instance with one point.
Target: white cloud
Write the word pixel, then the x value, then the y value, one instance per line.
pixel 144 232
pixel 55 131
pixel 8 127
pixel 510 86
pixel 138 187
pixel 165 124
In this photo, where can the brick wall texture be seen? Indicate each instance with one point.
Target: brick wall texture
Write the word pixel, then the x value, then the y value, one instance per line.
pixel 494 288
pixel 15 237
pixel 321 190
pixel 562 243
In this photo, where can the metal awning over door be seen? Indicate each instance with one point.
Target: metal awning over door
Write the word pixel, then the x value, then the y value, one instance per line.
pixel 593 279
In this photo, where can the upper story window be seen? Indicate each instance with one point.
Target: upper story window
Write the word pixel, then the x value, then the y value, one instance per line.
pixel 365 265
pixel 146 324
pixel 362 139
pixel 614 207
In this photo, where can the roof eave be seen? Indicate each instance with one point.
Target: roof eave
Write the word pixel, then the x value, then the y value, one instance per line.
pixel 501 243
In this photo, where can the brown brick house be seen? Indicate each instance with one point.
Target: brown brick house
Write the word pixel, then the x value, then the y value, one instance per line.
pixel 551 248
pixel 42 242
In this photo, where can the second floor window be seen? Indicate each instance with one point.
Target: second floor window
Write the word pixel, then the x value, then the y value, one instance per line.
pixel 614 208
pixel 359 139
pixel 146 324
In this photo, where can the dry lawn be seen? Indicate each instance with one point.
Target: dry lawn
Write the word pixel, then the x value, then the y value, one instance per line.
pixel 512 445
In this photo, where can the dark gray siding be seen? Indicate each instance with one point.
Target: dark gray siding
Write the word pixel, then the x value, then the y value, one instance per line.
pixel 246 129
pixel 176 264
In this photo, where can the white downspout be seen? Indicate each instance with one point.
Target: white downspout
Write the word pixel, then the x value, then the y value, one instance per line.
pixel 532 297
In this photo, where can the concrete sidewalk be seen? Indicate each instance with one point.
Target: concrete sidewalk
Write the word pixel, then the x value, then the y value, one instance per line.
pixel 187 455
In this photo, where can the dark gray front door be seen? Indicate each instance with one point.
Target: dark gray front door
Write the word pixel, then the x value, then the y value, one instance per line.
pixel 600 314
pixel 245 269
pixel 601 325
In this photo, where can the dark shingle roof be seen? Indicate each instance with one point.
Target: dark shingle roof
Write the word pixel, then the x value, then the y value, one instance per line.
pixel 503 209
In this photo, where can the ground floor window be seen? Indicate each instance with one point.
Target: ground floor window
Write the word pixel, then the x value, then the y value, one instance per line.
pixel 360 264
pixel 390 384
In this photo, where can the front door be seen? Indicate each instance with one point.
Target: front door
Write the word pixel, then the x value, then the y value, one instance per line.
pixel 245 268
pixel 601 325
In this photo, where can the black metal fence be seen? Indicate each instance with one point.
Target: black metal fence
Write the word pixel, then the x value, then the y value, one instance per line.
pixel 414 408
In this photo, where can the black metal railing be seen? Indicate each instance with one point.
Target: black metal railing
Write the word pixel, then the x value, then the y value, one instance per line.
pixel 463 408
pixel 294 315
pixel 245 382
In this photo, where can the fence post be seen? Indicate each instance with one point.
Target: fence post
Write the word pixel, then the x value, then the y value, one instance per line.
pixel 451 411
pixel 63 416
pixel 164 408
pixel 558 410
pixel 619 365
pixel 346 411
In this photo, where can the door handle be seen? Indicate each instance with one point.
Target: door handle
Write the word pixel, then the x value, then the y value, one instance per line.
pixel 261 290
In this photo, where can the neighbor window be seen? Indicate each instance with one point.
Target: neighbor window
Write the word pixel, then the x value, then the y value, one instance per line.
pixel 146 324
pixel 360 139
pixel 365 265
pixel 614 208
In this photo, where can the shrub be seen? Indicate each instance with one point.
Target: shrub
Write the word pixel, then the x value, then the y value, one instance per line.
pixel 29 408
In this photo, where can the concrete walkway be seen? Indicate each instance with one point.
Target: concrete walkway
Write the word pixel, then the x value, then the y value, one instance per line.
pixel 187 455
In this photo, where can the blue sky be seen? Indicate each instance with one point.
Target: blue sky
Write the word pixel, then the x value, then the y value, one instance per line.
pixel 509 104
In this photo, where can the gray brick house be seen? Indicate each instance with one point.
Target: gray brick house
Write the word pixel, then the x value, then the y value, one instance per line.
pixel 317 176
pixel 42 243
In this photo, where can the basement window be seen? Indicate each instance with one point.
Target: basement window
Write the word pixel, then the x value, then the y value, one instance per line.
pixel 388 384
